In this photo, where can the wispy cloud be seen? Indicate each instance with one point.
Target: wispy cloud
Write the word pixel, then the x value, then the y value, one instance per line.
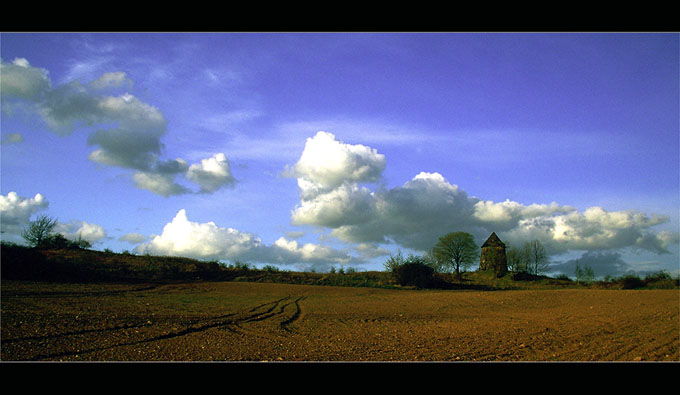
pixel 133 238
pixel 222 76
pixel 85 69
pixel 366 131
pixel 12 138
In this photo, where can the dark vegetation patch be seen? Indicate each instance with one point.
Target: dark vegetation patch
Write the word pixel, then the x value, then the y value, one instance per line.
pixel 80 265
pixel 87 266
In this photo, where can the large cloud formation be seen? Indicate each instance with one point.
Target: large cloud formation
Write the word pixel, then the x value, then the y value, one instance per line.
pixel 131 134
pixel 417 213
pixel 182 237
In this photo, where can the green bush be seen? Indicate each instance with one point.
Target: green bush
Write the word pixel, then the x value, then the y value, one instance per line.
pixel 238 265
pixel 394 261
pixel 662 280
pixel 414 271
pixel 659 276
pixel 55 241
pixel 526 276
pixel 630 281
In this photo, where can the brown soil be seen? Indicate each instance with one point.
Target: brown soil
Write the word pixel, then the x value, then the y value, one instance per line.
pixel 232 321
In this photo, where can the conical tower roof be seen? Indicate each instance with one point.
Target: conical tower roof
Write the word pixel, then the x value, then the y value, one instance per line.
pixel 493 241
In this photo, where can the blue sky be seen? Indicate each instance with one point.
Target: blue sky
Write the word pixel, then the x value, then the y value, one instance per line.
pixel 311 150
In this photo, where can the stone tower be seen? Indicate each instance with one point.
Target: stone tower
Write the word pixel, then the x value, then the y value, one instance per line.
pixel 493 256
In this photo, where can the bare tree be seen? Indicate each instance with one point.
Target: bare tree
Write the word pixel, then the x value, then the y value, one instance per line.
pixel 585 274
pixel 537 259
pixel 431 261
pixel 39 231
pixel 516 259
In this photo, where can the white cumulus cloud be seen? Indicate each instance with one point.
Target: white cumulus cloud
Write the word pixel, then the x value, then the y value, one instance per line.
pixel 326 164
pixel 16 211
pixel 212 173
pixel 595 229
pixel 160 184
pixel 346 205
pixel 22 80
pixel 81 230
pixel 287 251
pixel 506 215
pixel 183 237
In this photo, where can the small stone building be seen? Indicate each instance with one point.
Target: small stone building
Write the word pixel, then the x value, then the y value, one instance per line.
pixel 493 256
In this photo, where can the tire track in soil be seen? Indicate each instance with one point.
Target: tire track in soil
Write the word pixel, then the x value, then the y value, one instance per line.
pixel 295 316
pixel 255 314
pixel 269 314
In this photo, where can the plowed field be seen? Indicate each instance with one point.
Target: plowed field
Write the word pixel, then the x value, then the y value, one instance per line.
pixel 232 321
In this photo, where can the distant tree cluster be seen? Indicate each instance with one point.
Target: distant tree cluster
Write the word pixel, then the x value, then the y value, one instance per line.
pixel 530 258
pixel 342 270
pixel 584 274
pixel 456 251
pixel 453 252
